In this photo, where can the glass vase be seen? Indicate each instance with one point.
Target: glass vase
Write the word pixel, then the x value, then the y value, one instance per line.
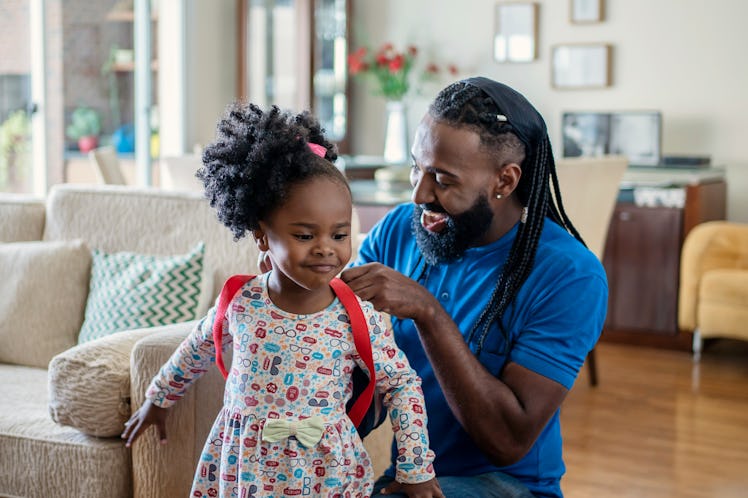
pixel 396 148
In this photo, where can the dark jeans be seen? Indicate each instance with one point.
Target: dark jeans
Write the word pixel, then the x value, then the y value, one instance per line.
pixel 490 485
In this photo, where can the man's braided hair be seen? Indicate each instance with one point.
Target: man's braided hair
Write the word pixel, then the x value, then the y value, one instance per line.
pixel 464 105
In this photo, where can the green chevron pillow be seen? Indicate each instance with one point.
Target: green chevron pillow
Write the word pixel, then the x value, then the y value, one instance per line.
pixel 130 291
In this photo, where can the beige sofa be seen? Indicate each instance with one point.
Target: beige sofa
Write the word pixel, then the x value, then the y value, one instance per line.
pixel 63 407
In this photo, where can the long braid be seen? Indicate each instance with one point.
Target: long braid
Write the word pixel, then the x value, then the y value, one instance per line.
pixel 522 255
pixel 466 106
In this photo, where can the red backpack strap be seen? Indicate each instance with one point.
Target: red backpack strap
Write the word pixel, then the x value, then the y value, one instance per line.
pixel 363 345
pixel 230 288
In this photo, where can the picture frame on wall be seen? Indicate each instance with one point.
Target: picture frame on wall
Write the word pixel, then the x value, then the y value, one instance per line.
pixel 516 32
pixel 587 11
pixel 584 65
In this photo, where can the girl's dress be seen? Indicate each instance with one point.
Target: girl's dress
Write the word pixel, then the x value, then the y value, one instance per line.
pixel 294 367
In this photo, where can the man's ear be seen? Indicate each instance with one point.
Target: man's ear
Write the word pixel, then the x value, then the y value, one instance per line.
pixel 507 179
pixel 261 239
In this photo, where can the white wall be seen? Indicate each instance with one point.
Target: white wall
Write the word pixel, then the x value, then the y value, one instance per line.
pixel 198 45
pixel 212 65
pixel 683 57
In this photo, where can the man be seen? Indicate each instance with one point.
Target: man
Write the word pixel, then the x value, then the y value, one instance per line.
pixel 494 298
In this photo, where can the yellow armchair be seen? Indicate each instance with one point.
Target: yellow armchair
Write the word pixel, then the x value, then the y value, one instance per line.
pixel 713 294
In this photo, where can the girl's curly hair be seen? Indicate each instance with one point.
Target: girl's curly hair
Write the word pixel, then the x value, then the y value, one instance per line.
pixel 256 158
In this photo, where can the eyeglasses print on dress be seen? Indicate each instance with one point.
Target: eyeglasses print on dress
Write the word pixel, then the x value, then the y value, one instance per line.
pixel 291 333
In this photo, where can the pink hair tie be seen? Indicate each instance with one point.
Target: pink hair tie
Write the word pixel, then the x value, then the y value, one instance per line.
pixel 318 149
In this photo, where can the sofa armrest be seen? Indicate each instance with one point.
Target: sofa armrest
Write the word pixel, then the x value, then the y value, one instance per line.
pixel 22 217
pixel 167 470
pixel 89 384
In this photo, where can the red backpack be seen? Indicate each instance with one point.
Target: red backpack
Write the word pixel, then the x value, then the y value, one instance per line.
pixel 359 407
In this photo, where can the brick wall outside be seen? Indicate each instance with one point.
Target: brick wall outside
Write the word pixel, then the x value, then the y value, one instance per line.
pixel 79 38
pixel 15 57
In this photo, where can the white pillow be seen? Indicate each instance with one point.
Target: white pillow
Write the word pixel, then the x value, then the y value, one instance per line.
pixel 43 291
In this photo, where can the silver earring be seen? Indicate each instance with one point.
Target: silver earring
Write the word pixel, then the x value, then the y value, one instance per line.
pixel 523 218
pixel 499 196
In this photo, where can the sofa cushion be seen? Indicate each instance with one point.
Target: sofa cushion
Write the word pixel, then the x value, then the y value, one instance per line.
pixel 41 458
pixel 43 289
pixel 115 218
pixel 130 291
pixel 723 304
pixel 89 385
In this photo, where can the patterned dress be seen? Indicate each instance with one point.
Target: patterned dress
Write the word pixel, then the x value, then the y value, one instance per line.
pixel 293 367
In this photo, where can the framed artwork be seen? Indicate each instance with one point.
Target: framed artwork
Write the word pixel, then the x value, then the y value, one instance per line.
pixel 581 66
pixel 634 134
pixel 638 136
pixel 516 33
pixel 587 11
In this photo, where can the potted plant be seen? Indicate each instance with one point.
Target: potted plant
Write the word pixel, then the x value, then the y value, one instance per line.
pixel 84 128
pixel 14 150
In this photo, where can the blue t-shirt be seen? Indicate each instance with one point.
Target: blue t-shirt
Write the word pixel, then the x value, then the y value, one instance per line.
pixel 553 322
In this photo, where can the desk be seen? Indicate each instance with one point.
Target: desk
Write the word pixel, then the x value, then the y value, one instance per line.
pixel 371 198
pixel 372 201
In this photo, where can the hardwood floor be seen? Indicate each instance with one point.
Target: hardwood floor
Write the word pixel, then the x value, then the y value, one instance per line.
pixel 659 425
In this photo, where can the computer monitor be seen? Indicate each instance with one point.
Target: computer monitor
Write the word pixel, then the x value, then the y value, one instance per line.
pixel 634 134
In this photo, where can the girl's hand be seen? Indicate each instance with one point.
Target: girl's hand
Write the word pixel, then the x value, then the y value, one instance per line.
pixel 428 489
pixel 148 414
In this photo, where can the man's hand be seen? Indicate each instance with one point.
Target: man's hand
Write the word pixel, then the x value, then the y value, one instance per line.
pixel 148 414
pixel 428 489
pixel 390 291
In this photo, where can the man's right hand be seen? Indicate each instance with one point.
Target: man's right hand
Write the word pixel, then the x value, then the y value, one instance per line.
pixel 148 414
pixel 391 292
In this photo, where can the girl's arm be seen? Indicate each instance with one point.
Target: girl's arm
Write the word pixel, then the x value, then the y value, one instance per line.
pixel 187 364
pixel 404 401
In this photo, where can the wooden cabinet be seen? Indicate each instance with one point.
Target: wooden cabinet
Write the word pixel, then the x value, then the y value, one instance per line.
pixel 642 261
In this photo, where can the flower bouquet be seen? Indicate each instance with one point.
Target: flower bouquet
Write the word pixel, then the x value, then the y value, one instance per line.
pixel 390 68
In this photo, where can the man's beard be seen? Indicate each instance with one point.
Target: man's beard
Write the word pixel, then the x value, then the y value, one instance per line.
pixel 463 230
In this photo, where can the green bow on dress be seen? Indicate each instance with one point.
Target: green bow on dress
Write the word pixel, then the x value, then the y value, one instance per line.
pixel 308 431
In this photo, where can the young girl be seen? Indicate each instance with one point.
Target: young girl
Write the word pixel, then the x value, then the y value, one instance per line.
pixel 270 173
